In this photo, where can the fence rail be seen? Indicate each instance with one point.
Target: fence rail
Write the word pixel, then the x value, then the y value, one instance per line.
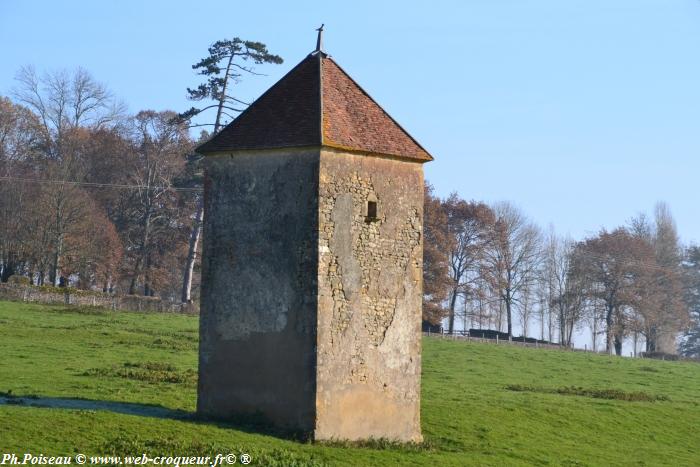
pixel 465 336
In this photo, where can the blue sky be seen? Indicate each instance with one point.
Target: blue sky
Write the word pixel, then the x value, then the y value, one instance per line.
pixel 583 113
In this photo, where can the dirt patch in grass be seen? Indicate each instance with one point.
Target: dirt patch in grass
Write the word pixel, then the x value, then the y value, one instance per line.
pixel 611 394
pixel 151 372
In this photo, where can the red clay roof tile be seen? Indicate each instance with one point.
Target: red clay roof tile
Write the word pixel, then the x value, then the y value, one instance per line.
pixel 317 93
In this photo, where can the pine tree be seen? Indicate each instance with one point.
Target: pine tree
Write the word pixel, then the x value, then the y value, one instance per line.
pixel 227 62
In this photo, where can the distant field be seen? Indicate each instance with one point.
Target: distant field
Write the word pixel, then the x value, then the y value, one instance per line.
pixel 482 404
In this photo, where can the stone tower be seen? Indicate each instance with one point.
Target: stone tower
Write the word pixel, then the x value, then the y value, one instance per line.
pixel 312 262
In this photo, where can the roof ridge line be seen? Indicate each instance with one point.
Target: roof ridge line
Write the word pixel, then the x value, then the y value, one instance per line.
pixel 379 106
pixel 253 104
pixel 320 97
pixel 317 104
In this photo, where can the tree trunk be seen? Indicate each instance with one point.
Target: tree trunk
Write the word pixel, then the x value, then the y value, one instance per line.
pixel 451 322
pixel 509 317
pixel 220 109
pixel 595 331
pixel 609 329
pixel 142 252
pixel 53 271
pixel 192 253
pixel 618 344
pixel 569 338
pixel 147 285
pixel 542 324
pixel 8 270
pixel 651 340
pixel 132 284
pixel 562 326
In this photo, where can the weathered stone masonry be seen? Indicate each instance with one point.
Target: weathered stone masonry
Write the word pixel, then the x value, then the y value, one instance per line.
pixel 368 381
pixel 311 269
pixel 257 324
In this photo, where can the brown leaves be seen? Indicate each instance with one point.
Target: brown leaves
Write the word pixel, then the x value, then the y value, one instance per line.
pixel 435 258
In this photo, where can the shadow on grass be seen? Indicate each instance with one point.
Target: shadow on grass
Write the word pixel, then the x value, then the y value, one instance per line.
pixel 248 423
pixel 610 394
pixel 126 408
pixel 252 423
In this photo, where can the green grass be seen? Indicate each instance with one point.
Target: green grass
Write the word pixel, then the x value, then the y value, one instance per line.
pixel 482 404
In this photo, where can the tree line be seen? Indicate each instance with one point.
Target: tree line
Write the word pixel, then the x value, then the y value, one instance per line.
pixel 86 195
pixel 490 267
pixel 94 197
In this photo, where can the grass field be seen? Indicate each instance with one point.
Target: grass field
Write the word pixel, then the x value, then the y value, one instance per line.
pixel 481 404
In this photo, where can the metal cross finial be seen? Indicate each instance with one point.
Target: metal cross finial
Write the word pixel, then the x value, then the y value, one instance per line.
pixel 319 41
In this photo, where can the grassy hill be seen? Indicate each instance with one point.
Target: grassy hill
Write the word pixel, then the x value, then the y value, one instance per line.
pixel 482 404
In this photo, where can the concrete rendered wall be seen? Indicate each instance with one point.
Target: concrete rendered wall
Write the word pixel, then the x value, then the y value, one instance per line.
pixel 369 298
pixel 258 302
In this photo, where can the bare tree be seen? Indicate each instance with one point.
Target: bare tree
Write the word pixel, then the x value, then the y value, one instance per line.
pixel 525 307
pixel 566 290
pixel 613 266
pixel 468 230
pixel 542 304
pixel 594 316
pixel 161 145
pixel 660 312
pixel 66 104
pixel 672 314
pixel 66 100
pixel 479 306
pixel 512 257
pixel 546 280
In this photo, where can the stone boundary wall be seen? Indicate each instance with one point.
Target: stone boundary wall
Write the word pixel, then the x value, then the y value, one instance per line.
pixel 54 295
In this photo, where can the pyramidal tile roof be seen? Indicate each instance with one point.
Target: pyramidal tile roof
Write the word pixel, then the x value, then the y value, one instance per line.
pixel 317 104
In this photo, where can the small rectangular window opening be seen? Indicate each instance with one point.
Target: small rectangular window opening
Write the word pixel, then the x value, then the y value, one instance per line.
pixel 371 210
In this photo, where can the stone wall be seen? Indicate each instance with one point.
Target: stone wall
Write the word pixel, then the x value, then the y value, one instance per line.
pixel 369 298
pixel 54 295
pixel 258 305
pixel 310 310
